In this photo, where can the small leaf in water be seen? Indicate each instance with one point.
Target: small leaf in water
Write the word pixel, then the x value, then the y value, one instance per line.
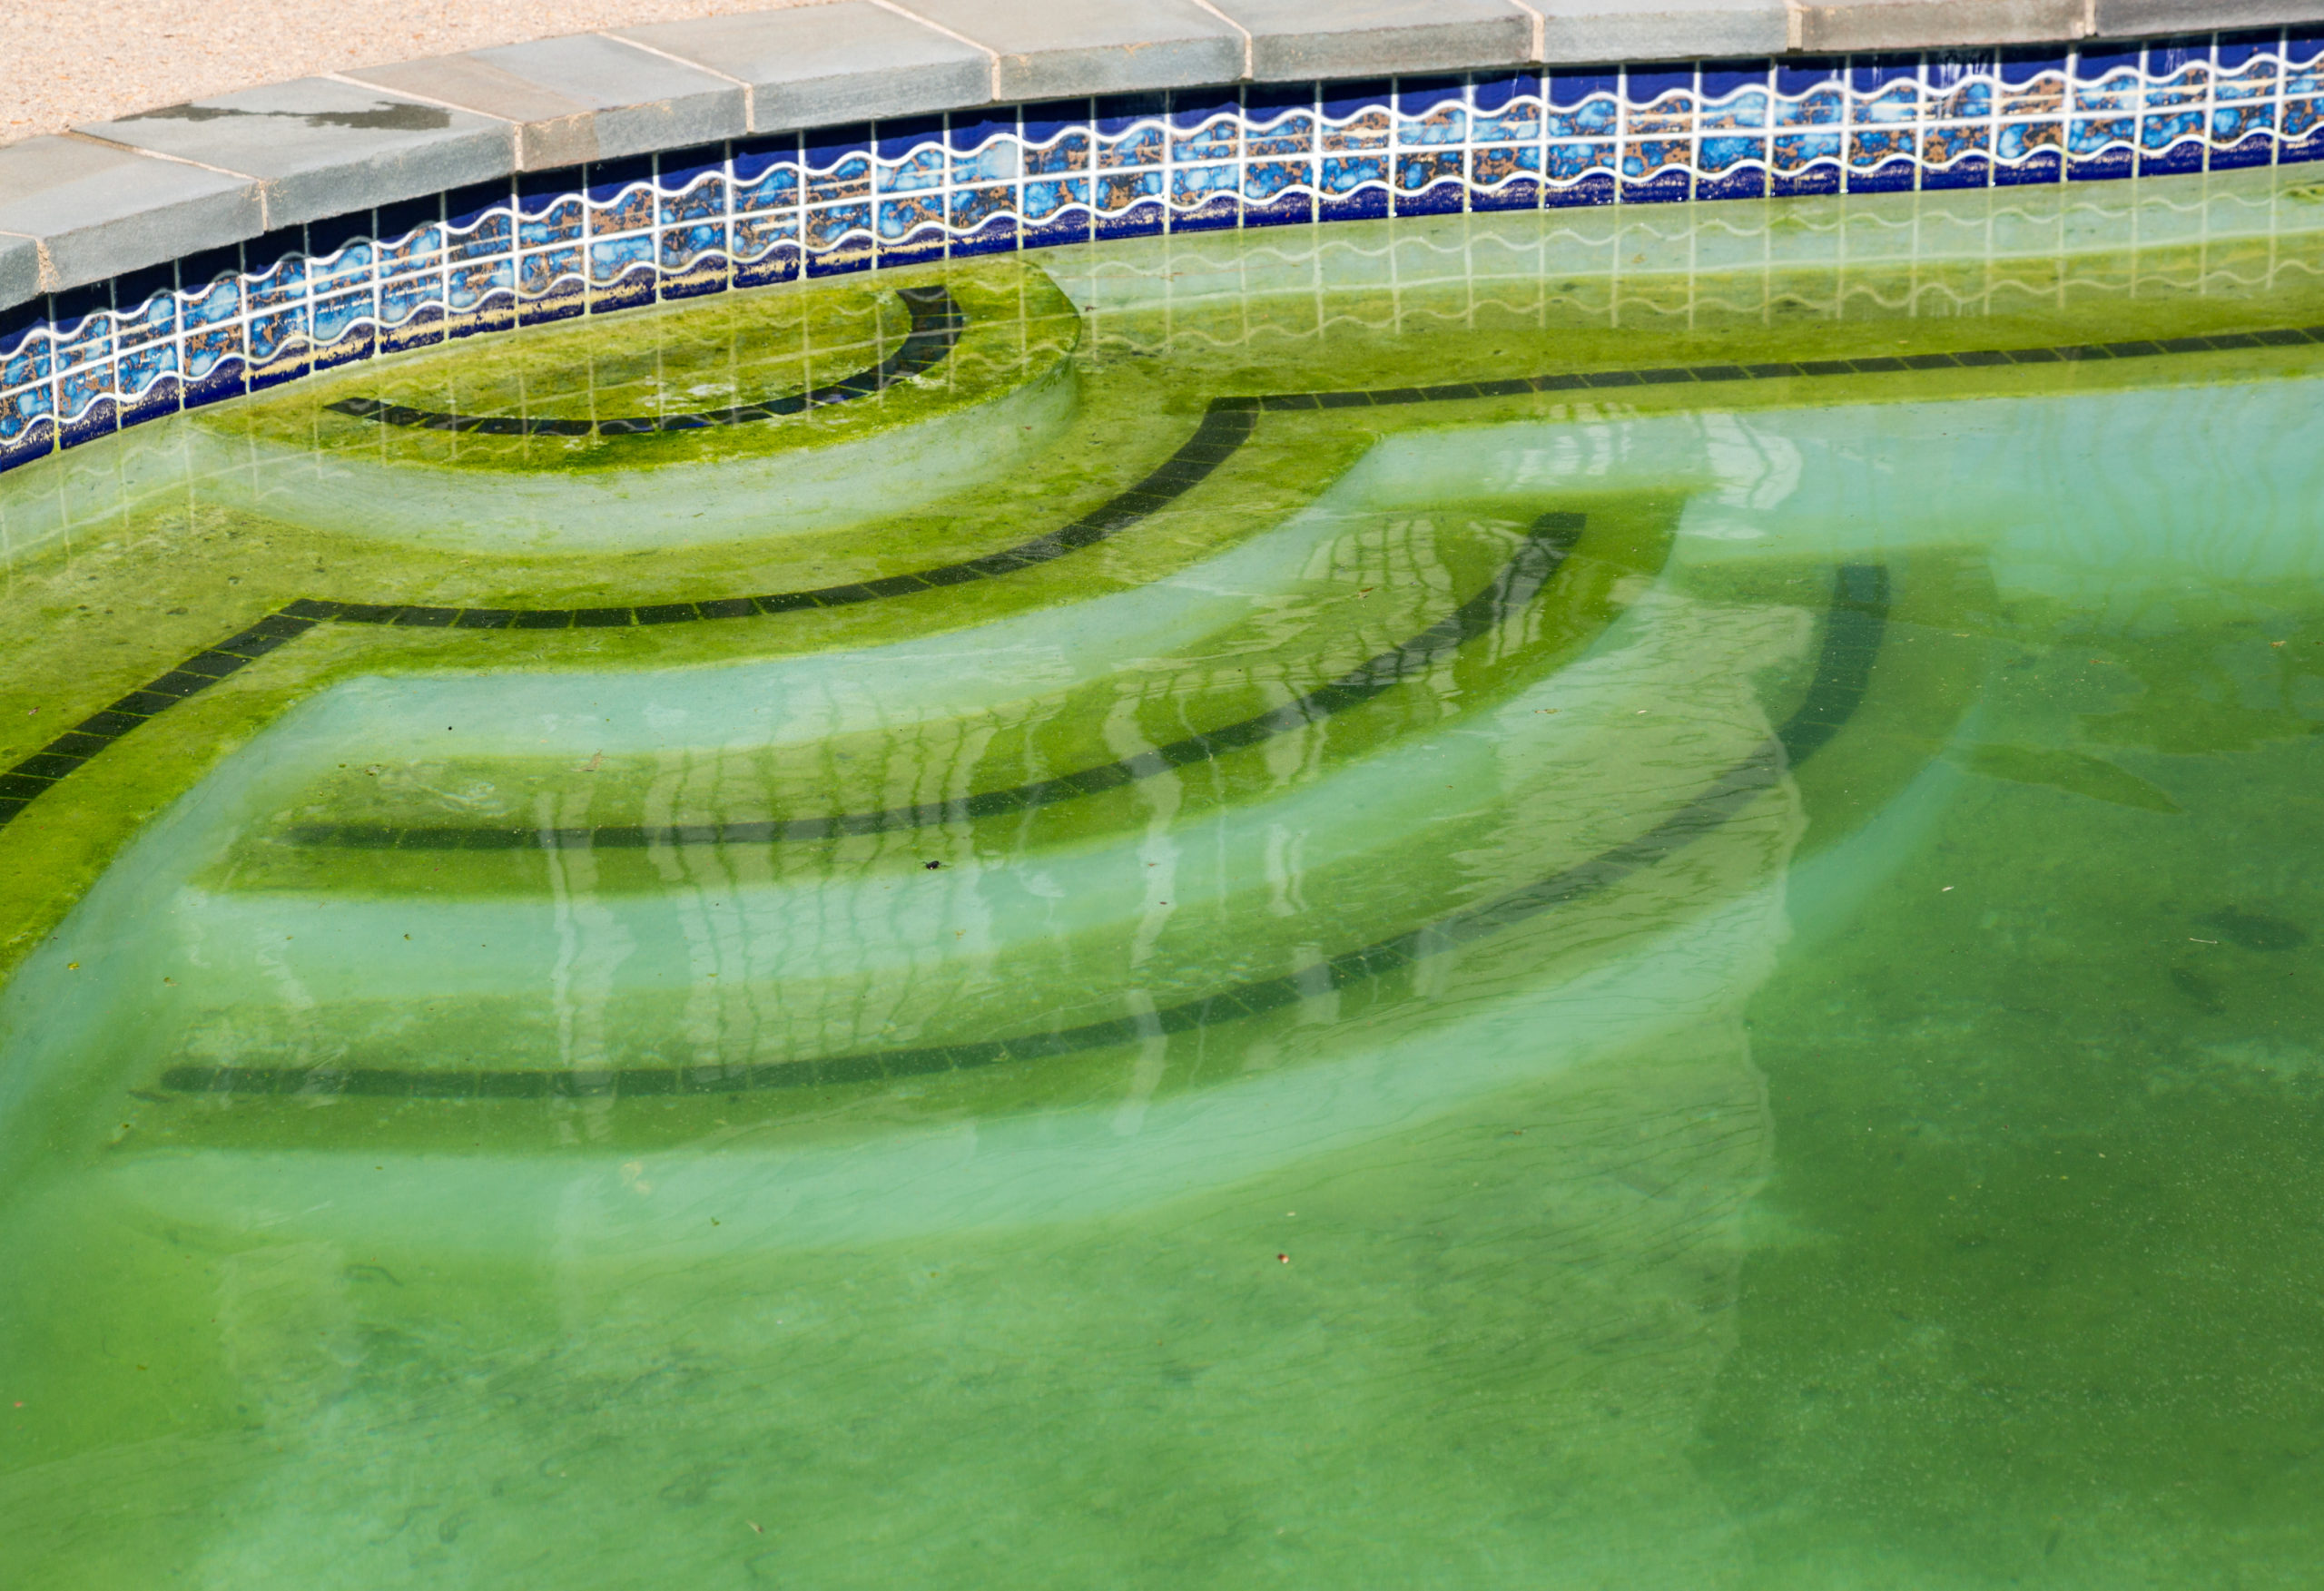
pixel 2094 777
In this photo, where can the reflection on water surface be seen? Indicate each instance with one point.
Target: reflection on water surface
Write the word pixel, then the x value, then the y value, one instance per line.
pixel 1539 907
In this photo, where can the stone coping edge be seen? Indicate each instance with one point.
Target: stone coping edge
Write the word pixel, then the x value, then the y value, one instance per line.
pixel 120 196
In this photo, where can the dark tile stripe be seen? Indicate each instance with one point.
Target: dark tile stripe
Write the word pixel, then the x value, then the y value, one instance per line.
pixel 1546 546
pixel 937 322
pixel 1852 637
pixel 36 773
pixel 1226 426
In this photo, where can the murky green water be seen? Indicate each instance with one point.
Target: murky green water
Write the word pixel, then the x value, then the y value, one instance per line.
pixel 1700 976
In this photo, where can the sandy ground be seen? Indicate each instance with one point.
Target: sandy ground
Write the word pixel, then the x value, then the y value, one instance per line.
pixel 90 60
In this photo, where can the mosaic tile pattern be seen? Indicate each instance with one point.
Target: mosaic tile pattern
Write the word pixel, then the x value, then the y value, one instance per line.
pixel 619 234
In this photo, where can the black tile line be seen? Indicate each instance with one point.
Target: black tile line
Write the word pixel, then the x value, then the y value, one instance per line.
pixel 1222 430
pixel 1548 543
pixel 1671 374
pixel 1226 425
pixel 937 322
pixel 1852 637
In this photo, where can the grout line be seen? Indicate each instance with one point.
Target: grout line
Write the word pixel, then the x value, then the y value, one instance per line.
pixel 750 90
pixel 1244 33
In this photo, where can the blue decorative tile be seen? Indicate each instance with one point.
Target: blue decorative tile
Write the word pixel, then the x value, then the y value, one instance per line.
pixel 1356 116
pixel 1575 163
pixel 403 298
pixel 1206 124
pixel 1345 174
pixel 546 245
pixel 838 164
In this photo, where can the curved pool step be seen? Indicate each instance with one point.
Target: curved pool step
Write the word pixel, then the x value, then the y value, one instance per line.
pixel 937 322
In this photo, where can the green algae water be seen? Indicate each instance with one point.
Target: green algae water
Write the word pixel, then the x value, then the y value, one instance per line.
pixel 1607 900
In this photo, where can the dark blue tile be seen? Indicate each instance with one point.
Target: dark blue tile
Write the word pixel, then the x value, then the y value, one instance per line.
pixel 1750 183
pixel 1871 74
pixel 680 169
pixel 2234 50
pixel 2173 162
pixel 754 157
pixel 1895 176
pixel 1520 193
pixel 2033 171
pixel 1721 78
pixel 1569 88
pixel 778 264
pixel 1220 213
pixel 328 236
pixel 19 321
pixel 266 254
pixel 1119 113
pixel 101 419
pixel 1794 78
pixel 1071 225
pixel 2167 58
pixel 401 219
pixel 1664 188
pixel 1287 209
pixel 1364 204
pixel 1192 109
pixel 607 178
pixel 1440 199
pixel 2098 60
pixel 69 308
pixel 1643 88
pixel 2023 64
pixel 2258 151
pixel 1590 191
pixel 898 137
pixel 825 147
pixel 1343 100
pixel 1043 122
pixel 1821 178
pixel 468 207
pixel 1971 170
pixel 1943 69
pixel 2105 167
pixel 1139 220
pixel 1493 90
pixel 1417 95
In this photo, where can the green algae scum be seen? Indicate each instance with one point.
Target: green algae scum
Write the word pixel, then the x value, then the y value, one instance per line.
pixel 1538 901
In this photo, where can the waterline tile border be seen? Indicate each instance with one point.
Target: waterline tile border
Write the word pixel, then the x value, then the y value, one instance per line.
pixel 613 235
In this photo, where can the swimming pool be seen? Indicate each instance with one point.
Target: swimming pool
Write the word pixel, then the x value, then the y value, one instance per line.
pixel 1492 899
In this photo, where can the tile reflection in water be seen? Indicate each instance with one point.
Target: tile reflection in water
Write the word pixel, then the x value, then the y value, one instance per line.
pixel 1871 1142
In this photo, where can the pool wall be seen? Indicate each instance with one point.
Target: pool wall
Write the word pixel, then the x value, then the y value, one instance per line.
pixel 199 252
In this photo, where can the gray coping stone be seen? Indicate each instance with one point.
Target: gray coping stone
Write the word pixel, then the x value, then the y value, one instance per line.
pixel 582 97
pixel 1050 49
pixel 846 61
pixel 1600 31
pixel 320 148
pixel 1293 39
pixel 92 210
pixel 19 270
pixel 1908 24
pixel 2121 17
